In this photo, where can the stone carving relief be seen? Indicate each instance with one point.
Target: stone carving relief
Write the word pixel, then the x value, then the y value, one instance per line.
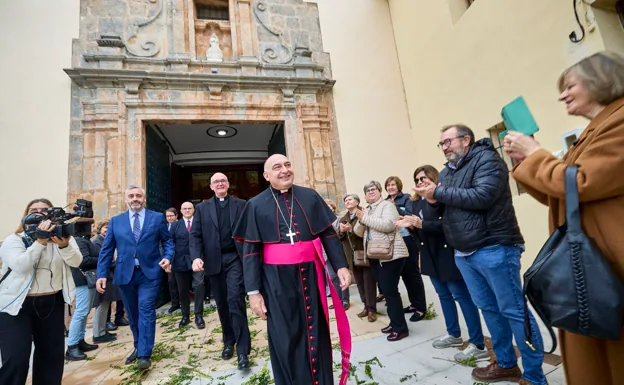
pixel 146 47
pixel 214 53
pixel 270 55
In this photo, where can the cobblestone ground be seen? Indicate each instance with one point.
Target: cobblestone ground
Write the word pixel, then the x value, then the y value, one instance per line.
pixel 191 356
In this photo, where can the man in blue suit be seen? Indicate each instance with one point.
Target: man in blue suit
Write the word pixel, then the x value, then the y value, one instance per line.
pixel 137 235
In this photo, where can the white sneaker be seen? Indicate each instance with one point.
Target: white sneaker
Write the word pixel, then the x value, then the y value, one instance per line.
pixel 472 353
pixel 448 341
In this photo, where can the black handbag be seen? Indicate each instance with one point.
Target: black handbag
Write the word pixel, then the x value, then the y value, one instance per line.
pixel 90 277
pixel 571 285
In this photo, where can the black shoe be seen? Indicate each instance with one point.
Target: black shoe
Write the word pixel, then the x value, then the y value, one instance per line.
pixel 122 322
pixel 110 326
pixel 85 347
pixel 228 352
pixel 173 308
pixel 417 317
pixel 409 309
pixel 132 357
pixel 199 321
pixel 144 363
pixel 243 362
pixel 108 337
pixel 184 321
pixel 74 354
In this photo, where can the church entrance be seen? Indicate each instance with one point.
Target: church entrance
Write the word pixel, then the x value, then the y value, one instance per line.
pixel 181 158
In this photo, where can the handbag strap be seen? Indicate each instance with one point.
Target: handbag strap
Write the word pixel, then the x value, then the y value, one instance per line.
pixel 573 217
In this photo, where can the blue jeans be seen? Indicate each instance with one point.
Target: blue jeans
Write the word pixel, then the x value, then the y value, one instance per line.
pixel 492 275
pixel 452 291
pixel 84 301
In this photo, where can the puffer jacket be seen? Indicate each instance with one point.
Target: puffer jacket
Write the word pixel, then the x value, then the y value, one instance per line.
pixel 378 221
pixel 479 210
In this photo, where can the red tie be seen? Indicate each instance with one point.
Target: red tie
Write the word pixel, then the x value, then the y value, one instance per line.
pixel 188 225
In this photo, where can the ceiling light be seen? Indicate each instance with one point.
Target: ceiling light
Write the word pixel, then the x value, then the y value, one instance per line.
pixel 221 131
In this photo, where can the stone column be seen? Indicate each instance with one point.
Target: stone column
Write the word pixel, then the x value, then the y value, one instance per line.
pixel 248 58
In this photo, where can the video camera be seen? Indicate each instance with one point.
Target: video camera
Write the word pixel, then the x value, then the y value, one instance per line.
pixel 65 224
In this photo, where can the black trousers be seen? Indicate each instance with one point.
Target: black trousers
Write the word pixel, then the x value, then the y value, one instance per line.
pixel 411 277
pixel 367 287
pixel 173 289
pixel 119 311
pixel 388 275
pixel 39 321
pixel 186 279
pixel 229 293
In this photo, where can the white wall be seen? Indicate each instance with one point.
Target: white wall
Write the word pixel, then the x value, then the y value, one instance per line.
pixel 34 103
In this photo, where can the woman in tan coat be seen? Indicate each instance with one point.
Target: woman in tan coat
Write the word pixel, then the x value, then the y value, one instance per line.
pixel 377 222
pixel 594 89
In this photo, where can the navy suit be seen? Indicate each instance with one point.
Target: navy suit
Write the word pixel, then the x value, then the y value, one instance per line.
pixel 138 284
pixel 182 267
pixel 224 268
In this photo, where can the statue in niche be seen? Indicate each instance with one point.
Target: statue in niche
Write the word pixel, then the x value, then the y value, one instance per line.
pixel 214 53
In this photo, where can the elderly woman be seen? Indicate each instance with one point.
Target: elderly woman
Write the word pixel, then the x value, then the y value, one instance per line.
pixel 411 273
pixel 593 88
pixel 377 223
pixel 352 244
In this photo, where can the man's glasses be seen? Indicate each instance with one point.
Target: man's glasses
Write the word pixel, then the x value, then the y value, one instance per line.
pixel 446 143
pixel 220 181
pixel 187 209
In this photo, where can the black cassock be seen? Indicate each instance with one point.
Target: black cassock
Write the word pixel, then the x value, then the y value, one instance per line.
pixel 299 339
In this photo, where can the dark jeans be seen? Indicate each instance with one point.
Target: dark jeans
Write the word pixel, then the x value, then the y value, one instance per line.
pixel 173 289
pixel 367 287
pixel 492 274
pixel 411 277
pixel 229 293
pixel 39 321
pixel 388 275
pixel 186 279
pixel 452 291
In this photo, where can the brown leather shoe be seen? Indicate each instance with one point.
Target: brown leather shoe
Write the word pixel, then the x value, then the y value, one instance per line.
pixel 396 336
pixel 494 373
pixel 372 317
pixel 363 313
pixel 524 382
pixel 387 330
pixel 380 298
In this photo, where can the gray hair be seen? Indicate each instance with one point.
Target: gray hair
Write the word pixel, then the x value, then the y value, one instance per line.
pixel 372 183
pixel 132 187
pixel 354 196
pixel 602 75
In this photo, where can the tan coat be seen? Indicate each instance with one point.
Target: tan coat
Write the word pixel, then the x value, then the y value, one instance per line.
pixel 378 220
pixel 599 154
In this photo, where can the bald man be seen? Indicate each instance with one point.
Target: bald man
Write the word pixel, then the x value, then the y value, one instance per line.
pixel 214 252
pixel 282 232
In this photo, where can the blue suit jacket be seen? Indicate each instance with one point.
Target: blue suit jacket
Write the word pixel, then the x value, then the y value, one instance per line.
pixel 146 250
pixel 182 256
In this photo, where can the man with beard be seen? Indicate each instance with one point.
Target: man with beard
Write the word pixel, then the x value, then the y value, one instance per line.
pixel 480 224
pixel 282 232
pixel 137 235
pixel 214 250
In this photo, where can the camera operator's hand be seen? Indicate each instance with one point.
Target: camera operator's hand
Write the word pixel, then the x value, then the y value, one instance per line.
pixel 60 242
pixel 100 285
pixel 45 226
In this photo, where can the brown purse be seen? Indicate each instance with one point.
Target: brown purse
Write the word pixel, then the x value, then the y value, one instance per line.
pixel 359 258
pixel 381 249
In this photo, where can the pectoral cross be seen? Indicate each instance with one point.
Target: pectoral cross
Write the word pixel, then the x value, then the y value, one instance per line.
pixel 291 235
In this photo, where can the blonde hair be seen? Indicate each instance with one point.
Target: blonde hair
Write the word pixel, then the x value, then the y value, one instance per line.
pixel 101 225
pixel 601 73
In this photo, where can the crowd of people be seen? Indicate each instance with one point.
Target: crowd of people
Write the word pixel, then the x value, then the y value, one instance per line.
pixel 288 250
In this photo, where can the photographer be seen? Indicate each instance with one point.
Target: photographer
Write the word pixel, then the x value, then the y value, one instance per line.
pixel 36 282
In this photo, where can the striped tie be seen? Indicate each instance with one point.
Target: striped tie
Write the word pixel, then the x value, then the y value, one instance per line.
pixel 136 228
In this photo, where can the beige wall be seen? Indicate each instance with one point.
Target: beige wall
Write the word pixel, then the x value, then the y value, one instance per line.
pixel 34 103
pixel 373 123
pixel 466 68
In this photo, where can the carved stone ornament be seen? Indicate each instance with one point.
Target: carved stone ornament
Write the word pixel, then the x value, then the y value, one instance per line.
pixel 147 47
pixel 110 41
pixel 214 54
pixel 269 55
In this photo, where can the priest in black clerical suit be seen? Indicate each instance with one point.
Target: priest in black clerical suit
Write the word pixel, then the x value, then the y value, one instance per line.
pixel 214 251
pixel 280 231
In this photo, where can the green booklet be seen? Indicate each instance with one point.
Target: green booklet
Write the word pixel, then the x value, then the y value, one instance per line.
pixel 517 117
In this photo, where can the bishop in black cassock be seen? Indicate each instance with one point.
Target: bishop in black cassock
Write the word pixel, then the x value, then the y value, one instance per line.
pixel 298 332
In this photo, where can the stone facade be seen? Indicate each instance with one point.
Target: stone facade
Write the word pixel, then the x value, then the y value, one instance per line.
pixel 139 61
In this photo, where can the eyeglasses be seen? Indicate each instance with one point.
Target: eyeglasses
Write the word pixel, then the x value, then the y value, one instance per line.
pixel 187 209
pixel 447 142
pixel 369 190
pixel 421 179
pixel 220 181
